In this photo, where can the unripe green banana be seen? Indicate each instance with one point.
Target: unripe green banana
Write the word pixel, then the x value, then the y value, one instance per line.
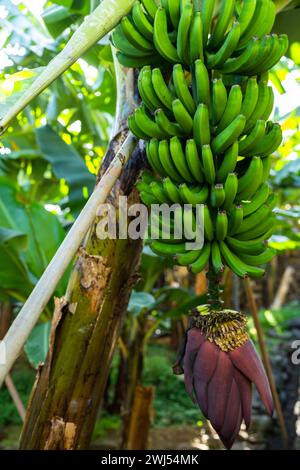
pixel 202 260
pixel 182 89
pixel 183 32
pixel 232 109
pixel 240 268
pixel 217 195
pixel 193 160
pixel 208 164
pixel 235 219
pixel 179 161
pixel 249 247
pixel 172 191
pixel 193 194
pixel 219 100
pixel 141 21
pixel 216 259
pixel 183 118
pixel 196 38
pixel 162 41
pixel 222 23
pixel 161 89
pixel 259 198
pixel 221 225
pixel 229 162
pixel 208 224
pixel 229 135
pixel 230 189
pixel 201 127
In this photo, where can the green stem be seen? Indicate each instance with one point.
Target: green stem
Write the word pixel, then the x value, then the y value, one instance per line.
pixel 213 289
pixel 103 19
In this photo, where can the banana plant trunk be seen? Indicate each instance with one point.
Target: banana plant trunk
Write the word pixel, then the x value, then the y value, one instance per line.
pixel 70 386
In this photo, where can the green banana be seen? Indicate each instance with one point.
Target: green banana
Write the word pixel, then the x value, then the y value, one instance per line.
pixel 174 12
pixel 251 140
pixel 135 129
pixel 232 109
pixel 158 192
pixel 169 128
pixel 216 259
pixel 217 195
pixel 150 7
pixel 272 201
pixel 259 230
pixel 147 91
pixel 141 21
pixel 202 260
pixel 167 249
pixel 161 89
pixel 261 22
pixel 148 198
pixel 222 23
pixel 167 162
pixel 246 14
pixel 147 125
pixel 208 164
pixel 228 163
pixel 201 126
pixel 216 60
pixel 208 224
pixel 138 62
pixel 259 198
pixel 249 247
pixel 251 180
pixel 193 195
pixel 235 219
pixel 201 83
pixel 267 163
pixel 162 41
pixel 196 38
pixel 134 37
pixel 183 118
pixel 172 191
pixel 262 103
pixel 245 59
pixel 183 32
pixel 193 160
pixel 219 100
pixel 238 266
pixel 250 98
pixel 254 219
pixel 121 42
pixel 153 157
pixel 227 137
pixel 207 10
pixel 258 260
pixel 182 89
pixel 270 142
pixel 230 189
pixel 221 225
pixel 188 258
pixel 179 161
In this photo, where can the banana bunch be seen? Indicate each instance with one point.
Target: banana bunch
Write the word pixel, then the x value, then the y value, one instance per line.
pixel 204 118
pixel 234 38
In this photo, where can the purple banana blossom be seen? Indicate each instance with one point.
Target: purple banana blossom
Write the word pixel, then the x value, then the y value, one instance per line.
pixel 219 376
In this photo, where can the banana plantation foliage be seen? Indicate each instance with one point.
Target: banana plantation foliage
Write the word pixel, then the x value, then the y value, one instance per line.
pixel 186 114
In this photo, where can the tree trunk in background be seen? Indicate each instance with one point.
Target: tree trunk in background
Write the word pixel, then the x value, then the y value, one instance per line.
pixel 133 374
pixel 139 427
pixel 86 324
